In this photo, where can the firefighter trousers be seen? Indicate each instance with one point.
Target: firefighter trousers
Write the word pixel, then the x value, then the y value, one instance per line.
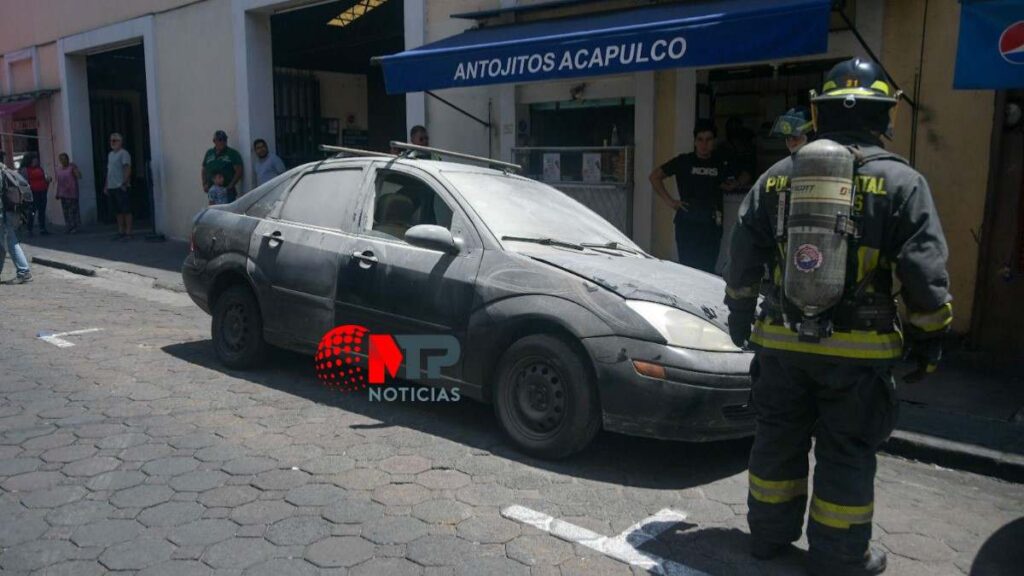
pixel 849 410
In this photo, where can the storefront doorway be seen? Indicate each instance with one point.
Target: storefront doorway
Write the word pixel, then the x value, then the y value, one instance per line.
pixel 117 103
pixel 998 314
pixel 325 91
pixel 744 103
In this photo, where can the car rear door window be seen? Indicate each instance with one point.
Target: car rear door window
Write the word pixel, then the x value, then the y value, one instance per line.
pixel 269 199
pixel 325 199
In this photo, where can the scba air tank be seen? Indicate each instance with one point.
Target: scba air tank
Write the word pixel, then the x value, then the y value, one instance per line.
pixel 818 226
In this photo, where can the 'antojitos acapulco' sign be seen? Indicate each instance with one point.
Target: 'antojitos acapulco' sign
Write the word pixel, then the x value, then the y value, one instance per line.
pixel 664 36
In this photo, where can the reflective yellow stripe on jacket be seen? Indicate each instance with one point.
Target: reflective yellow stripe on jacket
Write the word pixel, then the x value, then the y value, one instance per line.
pixel 856 344
pixel 934 321
pixel 838 516
pixel 776 491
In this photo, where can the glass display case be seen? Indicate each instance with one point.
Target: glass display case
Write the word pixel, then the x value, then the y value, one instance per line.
pixel 599 177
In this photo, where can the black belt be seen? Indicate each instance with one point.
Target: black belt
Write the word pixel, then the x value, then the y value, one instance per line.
pixel 845 317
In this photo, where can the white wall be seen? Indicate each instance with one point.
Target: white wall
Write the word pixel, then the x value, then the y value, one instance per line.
pixel 449 128
pixel 196 85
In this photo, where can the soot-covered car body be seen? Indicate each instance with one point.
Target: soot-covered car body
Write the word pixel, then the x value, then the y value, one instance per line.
pixel 565 325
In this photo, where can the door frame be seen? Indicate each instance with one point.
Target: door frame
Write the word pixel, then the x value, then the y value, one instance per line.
pixel 71 54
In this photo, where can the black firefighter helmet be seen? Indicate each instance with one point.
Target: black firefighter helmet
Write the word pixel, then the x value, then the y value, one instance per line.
pixel 855 95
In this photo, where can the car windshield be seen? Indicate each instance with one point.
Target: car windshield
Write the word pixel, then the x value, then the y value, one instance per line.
pixel 513 206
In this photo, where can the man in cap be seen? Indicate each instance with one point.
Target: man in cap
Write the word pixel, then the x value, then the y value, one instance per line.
pixel 835 384
pixel 225 160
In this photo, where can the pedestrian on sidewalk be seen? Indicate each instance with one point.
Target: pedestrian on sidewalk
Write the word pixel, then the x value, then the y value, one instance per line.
pixel 68 176
pixel 118 185
pixel 39 182
pixel 826 341
pixel 225 160
pixel 267 165
pixel 10 197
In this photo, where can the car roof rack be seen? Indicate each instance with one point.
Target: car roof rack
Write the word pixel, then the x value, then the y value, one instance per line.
pixel 409 148
pixel 354 151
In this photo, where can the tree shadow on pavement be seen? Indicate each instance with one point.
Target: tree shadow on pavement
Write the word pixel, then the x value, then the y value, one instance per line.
pixel 613 458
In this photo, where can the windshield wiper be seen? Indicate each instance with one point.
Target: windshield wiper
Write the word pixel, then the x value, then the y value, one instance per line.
pixel 544 241
pixel 608 245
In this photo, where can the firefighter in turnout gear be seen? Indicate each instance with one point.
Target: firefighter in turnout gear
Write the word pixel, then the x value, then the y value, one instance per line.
pixel 833 225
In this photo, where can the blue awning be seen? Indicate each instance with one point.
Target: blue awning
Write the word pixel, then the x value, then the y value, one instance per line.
pixel 701 33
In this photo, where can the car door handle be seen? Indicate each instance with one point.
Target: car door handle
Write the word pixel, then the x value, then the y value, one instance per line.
pixel 273 238
pixel 365 258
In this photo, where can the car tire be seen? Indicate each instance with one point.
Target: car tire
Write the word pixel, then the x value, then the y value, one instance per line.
pixel 237 328
pixel 545 397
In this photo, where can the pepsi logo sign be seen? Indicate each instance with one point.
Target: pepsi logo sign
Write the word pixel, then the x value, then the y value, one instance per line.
pixel 1011 43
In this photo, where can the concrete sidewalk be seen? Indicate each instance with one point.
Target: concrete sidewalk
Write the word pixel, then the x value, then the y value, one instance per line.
pixel 964 417
pixel 96 253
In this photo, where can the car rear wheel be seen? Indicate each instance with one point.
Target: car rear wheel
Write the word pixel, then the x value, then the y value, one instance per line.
pixel 238 328
pixel 545 397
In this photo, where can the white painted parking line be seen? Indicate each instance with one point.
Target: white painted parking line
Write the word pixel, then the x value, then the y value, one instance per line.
pixel 58 339
pixel 622 547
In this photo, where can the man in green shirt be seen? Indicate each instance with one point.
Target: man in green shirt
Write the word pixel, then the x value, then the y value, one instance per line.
pixel 225 160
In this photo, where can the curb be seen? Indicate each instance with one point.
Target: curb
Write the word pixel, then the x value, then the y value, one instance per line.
pixel 81 269
pixel 97 271
pixel 956 455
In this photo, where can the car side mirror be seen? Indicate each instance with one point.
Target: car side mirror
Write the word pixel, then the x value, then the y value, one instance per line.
pixel 433 237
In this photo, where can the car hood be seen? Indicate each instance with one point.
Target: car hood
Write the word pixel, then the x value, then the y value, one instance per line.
pixel 647 279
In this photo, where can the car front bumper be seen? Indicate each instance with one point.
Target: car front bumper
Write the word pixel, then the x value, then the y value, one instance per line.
pixel 703 397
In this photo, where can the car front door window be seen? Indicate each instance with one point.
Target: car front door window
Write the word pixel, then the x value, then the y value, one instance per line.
pixel 401 202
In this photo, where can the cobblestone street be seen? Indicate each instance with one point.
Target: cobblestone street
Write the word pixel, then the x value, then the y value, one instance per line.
pixel 134 450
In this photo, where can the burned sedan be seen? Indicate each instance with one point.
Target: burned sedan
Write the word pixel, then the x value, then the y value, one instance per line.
pixel 565 325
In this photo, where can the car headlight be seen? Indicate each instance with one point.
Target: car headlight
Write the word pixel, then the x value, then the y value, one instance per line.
pixel 683 329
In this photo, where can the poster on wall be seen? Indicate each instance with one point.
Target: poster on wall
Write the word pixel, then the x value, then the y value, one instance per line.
pixel 552 167
pixel 591 168
pixel 990 48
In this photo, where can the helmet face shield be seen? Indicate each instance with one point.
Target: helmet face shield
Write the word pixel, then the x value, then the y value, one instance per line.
pixel 791 125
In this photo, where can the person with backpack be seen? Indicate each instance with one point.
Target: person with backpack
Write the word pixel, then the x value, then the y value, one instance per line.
pixel 13 190
pixel 835 223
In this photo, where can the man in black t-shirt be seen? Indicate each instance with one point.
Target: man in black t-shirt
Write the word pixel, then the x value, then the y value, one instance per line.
pixel 701 177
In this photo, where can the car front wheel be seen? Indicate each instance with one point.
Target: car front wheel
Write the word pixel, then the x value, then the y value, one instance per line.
pixel 238 328
pixel 545 397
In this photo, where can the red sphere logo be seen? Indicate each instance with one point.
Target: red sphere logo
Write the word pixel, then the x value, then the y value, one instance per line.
pixel 340 358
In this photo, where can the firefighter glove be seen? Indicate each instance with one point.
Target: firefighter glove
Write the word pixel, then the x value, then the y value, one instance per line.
pixel 739 326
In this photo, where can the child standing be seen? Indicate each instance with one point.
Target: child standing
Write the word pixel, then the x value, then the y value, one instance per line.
pixel 217 193
pixel 68 176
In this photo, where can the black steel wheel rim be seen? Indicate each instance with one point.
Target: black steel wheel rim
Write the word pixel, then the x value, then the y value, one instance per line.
pixel 235 327
pixel 539 397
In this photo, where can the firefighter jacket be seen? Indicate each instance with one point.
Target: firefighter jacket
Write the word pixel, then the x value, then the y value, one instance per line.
pixel 898 243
